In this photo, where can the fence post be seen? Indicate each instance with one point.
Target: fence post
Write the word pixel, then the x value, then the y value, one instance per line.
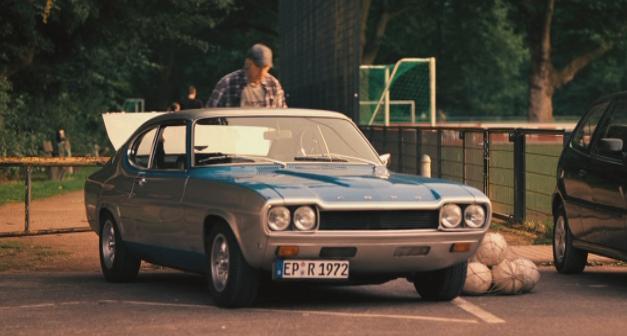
pixel 418 150
pixel 425 166
pixel 439 151
pixel 27 197
pixel 400 149
pixel 519 176
pixel 486 161
pixel 462 134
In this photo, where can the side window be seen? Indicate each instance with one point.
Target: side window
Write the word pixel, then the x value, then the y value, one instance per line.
pixel 583 135
pixel 141 149
pixel 170 150
pixel 615 126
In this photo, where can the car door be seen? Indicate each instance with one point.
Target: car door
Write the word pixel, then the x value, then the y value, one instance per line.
pixel 159 191
pixel 607 178
pixel 135 164
pixel 574 165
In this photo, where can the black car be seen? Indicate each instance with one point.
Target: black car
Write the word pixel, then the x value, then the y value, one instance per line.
pixel 589 204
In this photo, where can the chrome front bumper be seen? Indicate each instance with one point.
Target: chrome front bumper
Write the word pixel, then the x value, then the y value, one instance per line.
pixel 378 252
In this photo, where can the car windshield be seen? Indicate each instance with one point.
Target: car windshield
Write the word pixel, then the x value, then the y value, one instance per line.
pixel 279 139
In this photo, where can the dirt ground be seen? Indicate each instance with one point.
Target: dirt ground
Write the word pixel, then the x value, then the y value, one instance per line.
pixel 79 251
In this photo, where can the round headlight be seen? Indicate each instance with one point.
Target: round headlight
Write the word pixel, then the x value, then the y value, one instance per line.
pixel 451 216
pixel 305 218
pixel 474 216
pixel 279 218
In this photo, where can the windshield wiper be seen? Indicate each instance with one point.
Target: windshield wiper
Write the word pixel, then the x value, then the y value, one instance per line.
pixel 319 158
pixel 217 156
pixel 333 157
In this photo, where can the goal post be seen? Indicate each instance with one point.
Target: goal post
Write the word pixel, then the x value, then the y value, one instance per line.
pixel 401 93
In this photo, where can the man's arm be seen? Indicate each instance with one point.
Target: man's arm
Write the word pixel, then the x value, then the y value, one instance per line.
pixel 280 96
pixel 217 96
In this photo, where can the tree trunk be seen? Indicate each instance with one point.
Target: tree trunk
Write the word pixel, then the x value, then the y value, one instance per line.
pixel 544 78
pixel 370 45
pixel 541 78
pixel 540 97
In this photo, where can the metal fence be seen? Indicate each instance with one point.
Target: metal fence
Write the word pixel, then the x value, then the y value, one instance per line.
pixel 27 163
pixel 319 63
pixel 515 167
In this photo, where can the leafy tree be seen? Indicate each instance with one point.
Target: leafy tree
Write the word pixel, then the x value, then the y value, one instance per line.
pixel 480 56
pixel 563 39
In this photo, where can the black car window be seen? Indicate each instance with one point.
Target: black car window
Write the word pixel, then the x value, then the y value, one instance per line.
pixel 170 148
pixel 141 149
pixel 583 135
pixel 615 127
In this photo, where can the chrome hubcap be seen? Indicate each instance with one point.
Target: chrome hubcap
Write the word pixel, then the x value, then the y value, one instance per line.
pixel 220 262
pixel 108 243
pixel 559 238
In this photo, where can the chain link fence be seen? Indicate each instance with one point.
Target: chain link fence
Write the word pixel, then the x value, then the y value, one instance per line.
pixel 515 167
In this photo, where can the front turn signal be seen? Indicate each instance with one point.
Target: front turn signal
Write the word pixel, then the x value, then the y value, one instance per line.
pixel 460 247
pixel 287 251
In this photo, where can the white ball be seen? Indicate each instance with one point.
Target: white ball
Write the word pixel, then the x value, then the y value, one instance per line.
pixel 478 279
pixel 492 250
pixel 506 278
pixel 528 272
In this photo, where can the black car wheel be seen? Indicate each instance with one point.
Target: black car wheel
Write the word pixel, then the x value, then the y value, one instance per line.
pixel 116 262
pixel 567 258
pixel 441 285
pixel 232 282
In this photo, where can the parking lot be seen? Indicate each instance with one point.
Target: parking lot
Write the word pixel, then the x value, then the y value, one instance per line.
pixel 166 301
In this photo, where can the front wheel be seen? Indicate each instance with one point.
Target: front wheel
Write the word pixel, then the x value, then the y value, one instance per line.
pixel 567 258
pixel 441 285
pixel 232 282
pixel 116 262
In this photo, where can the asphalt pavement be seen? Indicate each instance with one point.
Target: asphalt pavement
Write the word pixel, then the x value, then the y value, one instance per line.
pixel 171 302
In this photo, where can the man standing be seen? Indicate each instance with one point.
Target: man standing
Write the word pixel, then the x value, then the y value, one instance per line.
pixel 191 102
pixel 251 86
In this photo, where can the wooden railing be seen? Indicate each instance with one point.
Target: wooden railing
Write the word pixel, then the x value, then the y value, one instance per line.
pixel 27 163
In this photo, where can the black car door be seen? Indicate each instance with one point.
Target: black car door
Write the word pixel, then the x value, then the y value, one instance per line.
pixel 574 168
pixel 607 179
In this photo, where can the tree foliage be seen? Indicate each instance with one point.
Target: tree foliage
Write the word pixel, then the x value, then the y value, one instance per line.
pixel 89 56
pixel 490 54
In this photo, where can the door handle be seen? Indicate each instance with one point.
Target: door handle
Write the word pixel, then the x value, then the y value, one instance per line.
pixel 582 172
pixel 141 181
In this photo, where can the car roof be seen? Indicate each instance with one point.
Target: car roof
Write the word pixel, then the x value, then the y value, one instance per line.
pixel 245 112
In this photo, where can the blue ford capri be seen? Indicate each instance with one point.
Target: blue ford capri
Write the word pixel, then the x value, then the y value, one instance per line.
pixel 246 196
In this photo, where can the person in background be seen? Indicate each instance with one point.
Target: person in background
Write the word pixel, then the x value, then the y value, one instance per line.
pixel 251 86
pixel 191 101
pixel 174 107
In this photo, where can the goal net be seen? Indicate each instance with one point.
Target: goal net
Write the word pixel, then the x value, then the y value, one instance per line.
pixel 403 92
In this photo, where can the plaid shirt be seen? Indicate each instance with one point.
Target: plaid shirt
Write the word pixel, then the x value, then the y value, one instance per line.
pixel 228 91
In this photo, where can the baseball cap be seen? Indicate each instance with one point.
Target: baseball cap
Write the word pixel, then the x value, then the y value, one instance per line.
pixel 260 54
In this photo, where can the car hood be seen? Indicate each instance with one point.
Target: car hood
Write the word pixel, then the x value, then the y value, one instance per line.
pixel 332 184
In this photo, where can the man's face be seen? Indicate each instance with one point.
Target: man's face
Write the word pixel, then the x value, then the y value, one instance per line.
pixel 256 73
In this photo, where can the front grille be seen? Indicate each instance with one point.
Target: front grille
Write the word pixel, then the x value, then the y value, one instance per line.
pixel 379 220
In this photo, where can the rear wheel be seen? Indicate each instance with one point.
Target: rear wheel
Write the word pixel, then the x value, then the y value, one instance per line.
pixel 232 282
pixel 116 262
pixel 567 258
pixel 441 285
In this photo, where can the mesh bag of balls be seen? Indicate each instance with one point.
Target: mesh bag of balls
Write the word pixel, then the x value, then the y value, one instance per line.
pixel 490 271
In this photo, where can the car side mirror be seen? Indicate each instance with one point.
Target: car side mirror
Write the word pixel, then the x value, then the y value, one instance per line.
pixel 610 145
pixel 386 159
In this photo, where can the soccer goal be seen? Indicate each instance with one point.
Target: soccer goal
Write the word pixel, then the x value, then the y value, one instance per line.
pixel 403 92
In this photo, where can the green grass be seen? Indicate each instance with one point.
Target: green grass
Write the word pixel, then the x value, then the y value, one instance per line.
pixel 14 255
pixel 14 191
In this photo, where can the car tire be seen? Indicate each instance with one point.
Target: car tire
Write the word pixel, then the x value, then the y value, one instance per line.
pixel 116 262
pixel 566 258
pixel 441 285
pixel 232 282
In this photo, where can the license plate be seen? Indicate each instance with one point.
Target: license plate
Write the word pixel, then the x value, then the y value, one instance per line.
pixel 311 269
